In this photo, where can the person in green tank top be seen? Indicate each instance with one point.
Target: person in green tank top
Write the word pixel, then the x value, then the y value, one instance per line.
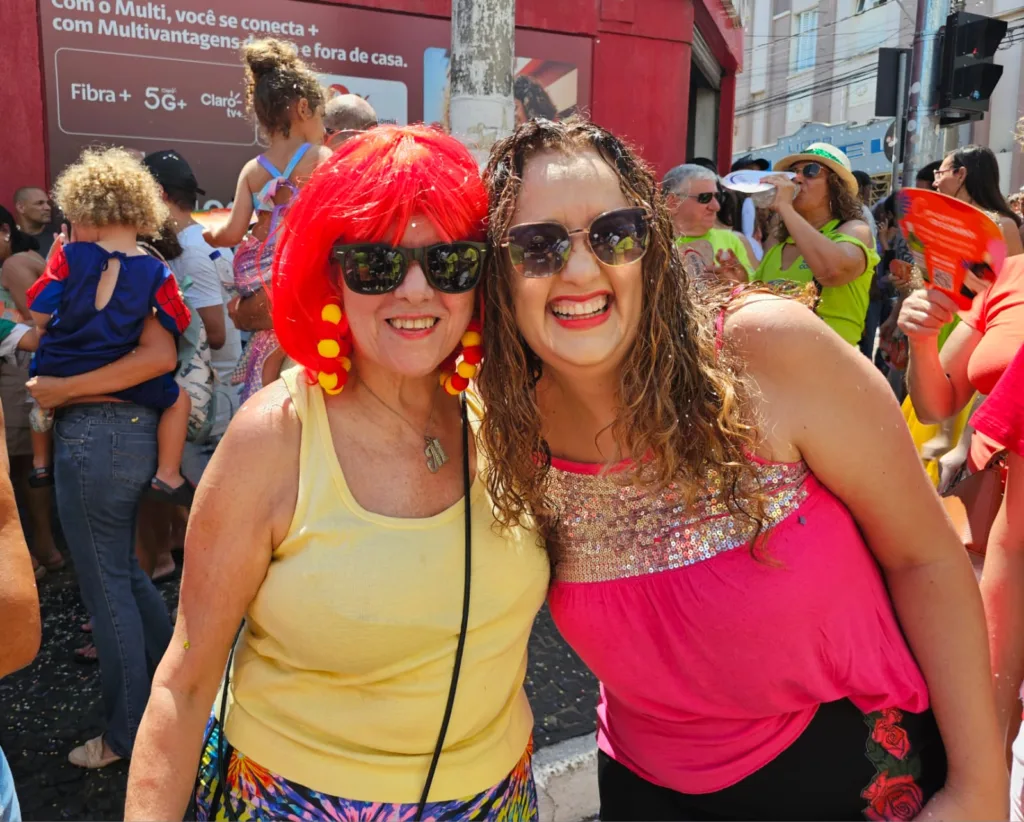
pixel 822 237
pixel 691 194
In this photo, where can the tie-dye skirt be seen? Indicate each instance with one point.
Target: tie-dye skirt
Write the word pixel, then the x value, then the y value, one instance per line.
pixel 253 793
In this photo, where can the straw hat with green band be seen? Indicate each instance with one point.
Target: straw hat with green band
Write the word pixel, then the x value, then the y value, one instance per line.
pixel 829 156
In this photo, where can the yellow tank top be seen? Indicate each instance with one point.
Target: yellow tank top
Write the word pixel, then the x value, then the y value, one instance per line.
pixel 341 675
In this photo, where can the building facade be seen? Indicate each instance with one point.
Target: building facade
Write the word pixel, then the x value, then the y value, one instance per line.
pixel 661 73
pixel 811 66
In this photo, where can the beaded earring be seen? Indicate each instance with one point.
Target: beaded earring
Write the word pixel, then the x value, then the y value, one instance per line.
pixel 334 347
pixel 455 373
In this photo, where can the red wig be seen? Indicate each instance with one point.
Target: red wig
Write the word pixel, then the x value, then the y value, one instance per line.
pixel 369 189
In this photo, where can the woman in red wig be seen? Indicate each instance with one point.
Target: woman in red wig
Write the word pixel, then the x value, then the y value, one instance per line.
pixel 343 520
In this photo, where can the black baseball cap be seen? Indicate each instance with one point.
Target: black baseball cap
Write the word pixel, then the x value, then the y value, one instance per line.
pixel 748 160
pixel 172 171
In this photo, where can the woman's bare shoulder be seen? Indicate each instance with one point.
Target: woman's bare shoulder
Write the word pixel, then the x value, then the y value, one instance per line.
pixel 858 229
pixel 256 465
pixel 254 174
pixel 271 413
pixel 758 327
pixel 265 433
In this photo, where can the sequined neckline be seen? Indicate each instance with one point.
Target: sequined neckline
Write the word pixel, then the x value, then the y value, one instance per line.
pixel 608 530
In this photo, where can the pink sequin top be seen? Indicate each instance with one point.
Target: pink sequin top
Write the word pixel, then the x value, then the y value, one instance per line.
pixel 712 662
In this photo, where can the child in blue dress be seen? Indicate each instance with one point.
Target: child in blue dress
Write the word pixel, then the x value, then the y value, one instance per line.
pixel 97 292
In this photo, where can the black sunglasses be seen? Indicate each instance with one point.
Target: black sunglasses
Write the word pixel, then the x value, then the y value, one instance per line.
pixel 809 171
pixel 616 238
pixel 704 198
pixel 378 268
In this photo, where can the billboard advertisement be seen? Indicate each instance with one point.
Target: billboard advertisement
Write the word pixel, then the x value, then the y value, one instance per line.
pixel 155 75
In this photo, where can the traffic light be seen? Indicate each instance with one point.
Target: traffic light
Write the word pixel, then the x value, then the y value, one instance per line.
pixel 968 75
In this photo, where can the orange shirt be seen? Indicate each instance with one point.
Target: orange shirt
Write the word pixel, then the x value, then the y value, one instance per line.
pixel 999 316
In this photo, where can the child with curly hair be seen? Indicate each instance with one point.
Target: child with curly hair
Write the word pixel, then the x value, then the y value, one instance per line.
pixel 96 293
pixel 288 102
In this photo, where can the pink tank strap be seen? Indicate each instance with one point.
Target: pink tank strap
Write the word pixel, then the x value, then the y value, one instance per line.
pixel 720 319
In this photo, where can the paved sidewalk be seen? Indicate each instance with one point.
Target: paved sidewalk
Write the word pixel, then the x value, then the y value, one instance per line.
pixel 52 706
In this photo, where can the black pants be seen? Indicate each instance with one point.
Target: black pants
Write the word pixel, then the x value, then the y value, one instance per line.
pixel 825 775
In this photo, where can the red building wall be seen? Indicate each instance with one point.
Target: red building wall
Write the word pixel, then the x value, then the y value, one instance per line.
pixel 641 71
pixel 23 152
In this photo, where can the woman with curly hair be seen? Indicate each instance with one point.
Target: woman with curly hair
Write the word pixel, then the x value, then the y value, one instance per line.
pixel 111 446
pixel 772 619
pixel 354 559
pixel 822 237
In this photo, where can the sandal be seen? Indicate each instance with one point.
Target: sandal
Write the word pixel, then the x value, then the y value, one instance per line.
pixel 160 491
pixel 91 755
pixel 40 478
pixel 87 655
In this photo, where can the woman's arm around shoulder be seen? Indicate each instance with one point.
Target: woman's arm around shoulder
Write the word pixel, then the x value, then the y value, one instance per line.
pixel 824 399
pixel 155 356
pixel 242 511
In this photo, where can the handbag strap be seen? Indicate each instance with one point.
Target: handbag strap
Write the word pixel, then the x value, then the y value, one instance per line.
pixel 460 647
pixel 222 752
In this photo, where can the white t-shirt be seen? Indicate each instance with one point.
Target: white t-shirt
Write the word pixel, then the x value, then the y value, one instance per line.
pixel 9 344
pixel 209 269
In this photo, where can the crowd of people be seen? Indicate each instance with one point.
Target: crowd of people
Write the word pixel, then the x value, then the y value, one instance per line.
pixel 442 397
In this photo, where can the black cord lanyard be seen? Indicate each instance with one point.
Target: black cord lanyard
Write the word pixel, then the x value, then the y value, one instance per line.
pixel 465 612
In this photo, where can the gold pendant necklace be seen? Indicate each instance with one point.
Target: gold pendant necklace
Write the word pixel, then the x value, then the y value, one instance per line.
pixel 434 452
pixel 436 457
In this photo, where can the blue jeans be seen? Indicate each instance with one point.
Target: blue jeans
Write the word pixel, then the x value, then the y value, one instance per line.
pixel 104 458
pixel 10 811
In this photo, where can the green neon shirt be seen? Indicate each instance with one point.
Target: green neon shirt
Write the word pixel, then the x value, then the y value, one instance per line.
pixel 843 307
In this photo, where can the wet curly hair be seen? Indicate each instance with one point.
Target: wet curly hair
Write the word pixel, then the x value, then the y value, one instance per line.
pixel 276 79
pixel 844 204
pixel 111 187
pixel 681 406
